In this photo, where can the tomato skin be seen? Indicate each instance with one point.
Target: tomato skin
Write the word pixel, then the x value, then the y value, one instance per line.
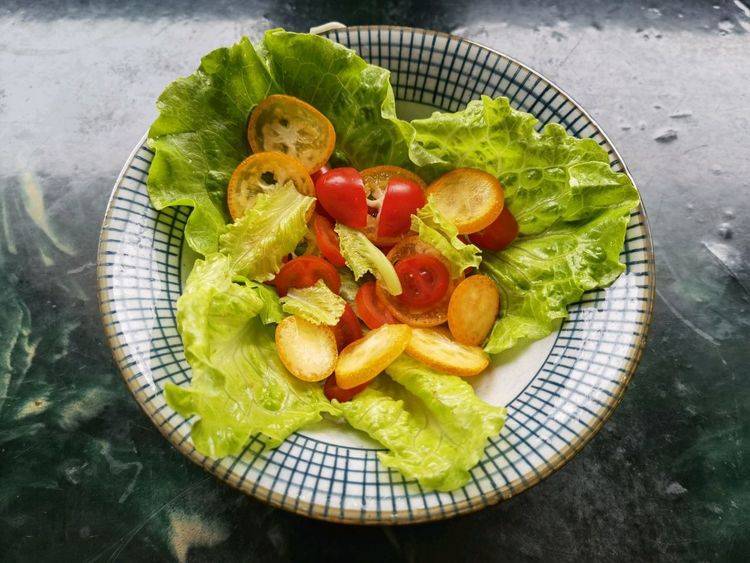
pixel 332 391
pixel 328 241
pixel 341 192
pixel 401 200
pixel 499 234
pixel 304 271
pixel 424 280
pixel 320 172
pixel 348 328
pixel 370 309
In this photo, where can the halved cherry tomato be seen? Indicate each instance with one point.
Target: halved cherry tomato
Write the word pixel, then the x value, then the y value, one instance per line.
pixel 381 242
pixel 376 180
pixel 319 172
pixel 291 126
pixel 332 391
pixel 342 194
pixel 470 198
pixel 424 280
pixel 501 232
pixel 328 241
pixel 259 173
pixel 370 308
pixel 402 199
pixel 303 272
pixel 348 328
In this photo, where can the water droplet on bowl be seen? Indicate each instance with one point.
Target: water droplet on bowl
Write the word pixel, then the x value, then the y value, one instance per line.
pixel 665 136
pixel 725 27
pixel 725 231
pixel 681 114
pixel 716 170
pixel 729 213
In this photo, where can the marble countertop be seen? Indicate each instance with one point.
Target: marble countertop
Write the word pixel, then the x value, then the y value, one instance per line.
pixel 85 477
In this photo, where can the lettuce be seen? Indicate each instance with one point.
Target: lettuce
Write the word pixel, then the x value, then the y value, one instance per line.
pixel 434 426
pixel 571 207
pixel 441 234
pixel 239 387
pixel 317 304
pixel 258 241
pixel 362 256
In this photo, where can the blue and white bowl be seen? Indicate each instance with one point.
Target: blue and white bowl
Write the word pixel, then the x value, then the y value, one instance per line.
pixel 559 391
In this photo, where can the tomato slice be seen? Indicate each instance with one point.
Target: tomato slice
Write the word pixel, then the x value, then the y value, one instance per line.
pixel 319 172
pixel 332 391
pixel 287 124
pixel 341 192
pixel 348 328
pixel 259 173
pixel 499 234
pixel 470 198
pixel 370 308
pixel 304 271
pixel 424 280
pixel 376 180
pixel 402 199
pixel 381 242
pixel 328 241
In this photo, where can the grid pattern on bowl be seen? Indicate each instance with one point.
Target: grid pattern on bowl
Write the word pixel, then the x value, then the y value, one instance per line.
pixel 574 392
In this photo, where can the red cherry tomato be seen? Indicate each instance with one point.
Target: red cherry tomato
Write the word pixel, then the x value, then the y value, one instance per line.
pixel 304 271
pixel 319 172
pixel 498 234
pixel 424 279
pixel 370 309
pixel 341 192
pixel 348 328
pixel 402 199
pixel 333 391
pixel 328 241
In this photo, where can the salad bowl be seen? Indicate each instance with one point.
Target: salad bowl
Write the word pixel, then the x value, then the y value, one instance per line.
pixel 559 391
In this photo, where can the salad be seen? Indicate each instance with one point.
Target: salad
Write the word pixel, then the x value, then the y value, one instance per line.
pixel 360 267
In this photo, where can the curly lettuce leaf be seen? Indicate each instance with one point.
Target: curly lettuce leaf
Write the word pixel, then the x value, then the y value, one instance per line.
pixel 239 387
pixel 349 286
pixel 199 137
pixel 362 257
pixel 434 426
pixel 437 231
pixel 317 304
pixel 571 207
pixel 258 241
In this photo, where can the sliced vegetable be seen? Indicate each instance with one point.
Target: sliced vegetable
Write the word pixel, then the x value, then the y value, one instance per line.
pixel 316 304
pixel 436 231
pixel 371 232
pixel 348 328
pixel 349 287
pixel 371 309
pixel 499 234
pixel 469 198
pixel 473 309
pixel 365 358
pixel 327 240
pixel 333 391
pixel 376 180
pixel 362 256
pixel 342 194
pixel 259 240
pixel 261 172
pixel 319 172
pixel 305 271
pixel 402 199
pixel 308 351
pixel 288 125
pixel 424 280
pixel 435 348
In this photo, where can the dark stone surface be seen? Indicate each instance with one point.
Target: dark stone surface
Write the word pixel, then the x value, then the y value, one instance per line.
pixel 84 476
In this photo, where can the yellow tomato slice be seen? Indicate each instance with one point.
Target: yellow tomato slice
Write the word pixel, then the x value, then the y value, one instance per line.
pixel 473 309
pixel 365 358
pixel 435 348
pixel 308 351
pixel 470 198
pixel 259 173
pixel 287 124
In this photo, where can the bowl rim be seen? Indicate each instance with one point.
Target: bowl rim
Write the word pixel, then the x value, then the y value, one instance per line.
pixel 466 506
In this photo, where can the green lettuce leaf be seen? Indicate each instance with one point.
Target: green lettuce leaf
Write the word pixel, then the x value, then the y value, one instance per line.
pixel 571 207
pixel 199 137
pixel 258 241
pixel 270 311
pixel 317 304
pixel 239 387
pixel 362 256
pixel 440 233
pixel 434 426
pixel 349 286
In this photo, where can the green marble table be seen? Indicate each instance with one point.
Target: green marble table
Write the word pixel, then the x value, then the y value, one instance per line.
pixel 85 477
